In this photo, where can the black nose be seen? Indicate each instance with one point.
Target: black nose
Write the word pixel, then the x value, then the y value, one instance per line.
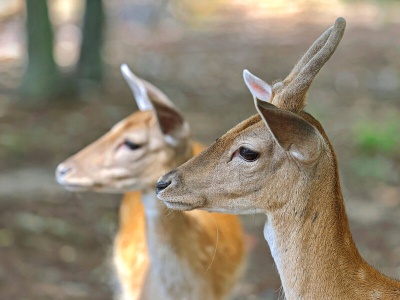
pixel 161 185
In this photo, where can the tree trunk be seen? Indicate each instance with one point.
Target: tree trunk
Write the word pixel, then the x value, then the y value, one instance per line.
pixel 41 78
pixel 90 65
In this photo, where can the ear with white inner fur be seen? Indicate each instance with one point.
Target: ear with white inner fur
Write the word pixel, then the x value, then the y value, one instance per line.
pixel 171 123
pixel 148 97
pixel 137 87
pixel 291 132
pixel 258 88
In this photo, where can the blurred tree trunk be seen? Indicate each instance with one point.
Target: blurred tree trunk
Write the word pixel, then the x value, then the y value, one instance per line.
pixel 90 65
pixel 41 78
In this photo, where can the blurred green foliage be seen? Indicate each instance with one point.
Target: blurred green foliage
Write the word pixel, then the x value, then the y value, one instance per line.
pixel 375 167
pixel 378 147
pixel 378 137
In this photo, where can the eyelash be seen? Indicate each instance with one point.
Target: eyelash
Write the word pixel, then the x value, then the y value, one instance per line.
pixel 242 152
pixel 132 146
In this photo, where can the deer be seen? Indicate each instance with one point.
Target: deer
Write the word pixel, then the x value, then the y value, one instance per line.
pixel 158 253
pixel 281 163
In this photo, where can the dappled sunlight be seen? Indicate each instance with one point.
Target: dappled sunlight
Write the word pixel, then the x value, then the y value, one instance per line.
pixel 290 12
pixel 66 16
pixel 66 48
pixel 260 9
pixel 11 42
pixel 65 11
pixel 9 8
pixel 11 37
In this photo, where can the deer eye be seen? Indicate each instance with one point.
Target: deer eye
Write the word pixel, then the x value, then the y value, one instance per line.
pixel 131 145
pixel 248 155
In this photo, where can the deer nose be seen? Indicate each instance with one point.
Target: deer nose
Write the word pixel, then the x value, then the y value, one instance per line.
pixel 62 170
pixel 161 185
pixel 164 181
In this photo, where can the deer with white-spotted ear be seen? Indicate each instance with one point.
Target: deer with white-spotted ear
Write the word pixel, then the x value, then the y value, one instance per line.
pixel 281 163
pixel 158 253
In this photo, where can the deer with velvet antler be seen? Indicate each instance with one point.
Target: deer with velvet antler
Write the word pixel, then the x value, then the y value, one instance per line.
pixel 281 163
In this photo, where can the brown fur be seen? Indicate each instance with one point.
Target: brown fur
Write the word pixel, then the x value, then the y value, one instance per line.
pixel 131 256
pixel 158 253
pixel 307 228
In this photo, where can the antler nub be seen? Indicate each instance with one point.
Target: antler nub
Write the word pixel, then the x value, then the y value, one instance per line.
pixel 290 94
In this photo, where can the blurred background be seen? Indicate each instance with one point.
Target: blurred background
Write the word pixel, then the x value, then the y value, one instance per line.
pixel 60 89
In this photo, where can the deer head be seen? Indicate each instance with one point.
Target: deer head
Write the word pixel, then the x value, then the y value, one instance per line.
pixel 270 158
pixel 136 151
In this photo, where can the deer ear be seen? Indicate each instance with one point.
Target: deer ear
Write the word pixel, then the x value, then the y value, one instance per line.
pixel 291 132
pixel 258 88
pixel 171 123
pixel 137 87
pixel 148 97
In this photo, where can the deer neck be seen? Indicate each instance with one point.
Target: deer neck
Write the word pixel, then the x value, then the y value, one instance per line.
pixel 314 251
pixel 314 247
pixel 161 222
pixel 164 227
pixel 174 245
pixel 154 208
pixel 174 241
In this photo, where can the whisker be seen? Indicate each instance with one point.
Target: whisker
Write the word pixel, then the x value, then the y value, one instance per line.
pixel 169 213
pixel 196 214
pixel 223 234
pixel 181 215
pixel 254 219
pixel 281 293
pixel 216 245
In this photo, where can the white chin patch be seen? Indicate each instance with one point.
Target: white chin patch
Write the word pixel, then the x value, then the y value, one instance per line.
pixel 83 182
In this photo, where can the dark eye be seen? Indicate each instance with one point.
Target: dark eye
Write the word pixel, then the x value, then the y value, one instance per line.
pixel 247 154
pixel 131 145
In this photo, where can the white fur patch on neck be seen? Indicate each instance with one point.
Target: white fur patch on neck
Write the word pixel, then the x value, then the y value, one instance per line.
pixel 151 204
pixel 270 237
